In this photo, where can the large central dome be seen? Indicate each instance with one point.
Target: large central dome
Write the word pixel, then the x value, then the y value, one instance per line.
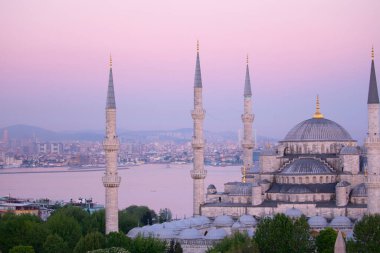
pixel 318 129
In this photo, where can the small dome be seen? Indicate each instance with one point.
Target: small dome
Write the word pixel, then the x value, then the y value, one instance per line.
pixel 359 191
pixel 341 222
pixel 306 165
pixel 242 189
pixel 318 130
pixel 204 219
pixel 247 220
pixel 236 226
pixel 250 232
pixel 190 233
pixel 348 150
pixel 169 225
pixel 223 221
pixel 134 232
pixel 211 189
pixel 317 222
pixel 293 213
pixel 216 234
pixel 165 233
pixel 343 184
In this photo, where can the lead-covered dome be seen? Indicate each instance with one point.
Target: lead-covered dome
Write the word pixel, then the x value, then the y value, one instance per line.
pixel 306 165
pixel 318 129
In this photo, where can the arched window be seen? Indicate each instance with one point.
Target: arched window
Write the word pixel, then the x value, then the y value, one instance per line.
pixel 307 180
pixel 321 179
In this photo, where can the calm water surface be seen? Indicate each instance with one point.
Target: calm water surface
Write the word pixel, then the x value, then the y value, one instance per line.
pixel 152 185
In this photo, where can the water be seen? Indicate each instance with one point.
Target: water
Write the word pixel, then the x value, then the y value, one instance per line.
pixel 156 186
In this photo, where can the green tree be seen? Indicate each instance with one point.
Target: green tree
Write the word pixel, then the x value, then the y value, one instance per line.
pixel 236 243
pixel 55 244
pixel 110 250
pixel 283 235
pixel 91 241
pixel 66 227
pixel 80 215
pixel 164 215
pixel 325 241
pixel 115 239
pixel 134 216
pixel 95 222
pixel 150 244
pixel 366 235
pixel 23 229
pixel 22 249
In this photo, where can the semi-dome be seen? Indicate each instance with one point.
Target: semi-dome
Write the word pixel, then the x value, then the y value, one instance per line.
pixel 306 165
pixel 223 221
pixel 247 220
pixel 216 234
pixel 359 191
pixel 318 129
pixel 293 213
pixel 190 233
pixel 317 222
pixel 349 150
pixel 341 222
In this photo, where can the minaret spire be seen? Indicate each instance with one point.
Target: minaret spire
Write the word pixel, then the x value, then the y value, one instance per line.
pixel 198 173
pixel 111 180
pixel 247 119
pixel 372 143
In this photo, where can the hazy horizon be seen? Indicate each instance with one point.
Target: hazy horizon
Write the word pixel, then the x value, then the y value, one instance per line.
pixel 54 62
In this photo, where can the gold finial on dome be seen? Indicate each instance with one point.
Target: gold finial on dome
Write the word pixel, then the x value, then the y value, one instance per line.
pixel 318 114
pixel 110 61
pixel 244 174
pixel 373 54
pixel 247 59
pixel 197 46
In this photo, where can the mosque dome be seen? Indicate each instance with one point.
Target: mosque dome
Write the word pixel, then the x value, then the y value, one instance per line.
pixel 223 221
pixel 317 222
pixel 341 222
pixel 216 234
pixel 165 233
pixel 317 129
pixel 306 165
pixel 190 233
pixel 211 189
pixel 359 191
pixel 247 220
pixel 236 226
pixel 348 150
pixel 293 213
pixel 134 232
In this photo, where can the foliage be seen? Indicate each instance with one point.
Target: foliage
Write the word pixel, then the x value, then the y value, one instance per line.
pixel 134 216
pixel 115 239
pixel 284 235
pixel 66 227
pixel 55 244
pixel 22 249
pixel 110 250
pixel 164 215
pixel 325 241
pixel 91 241
pixel 175 247
pixel 237 243
pixel 366 235
pixel 22 229
pixel 150 244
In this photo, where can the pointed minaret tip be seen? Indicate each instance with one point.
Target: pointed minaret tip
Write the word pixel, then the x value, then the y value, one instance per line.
pixel 198 75
pixel 247 84
pixel 110 61
pixel 373 94
pixel 318 114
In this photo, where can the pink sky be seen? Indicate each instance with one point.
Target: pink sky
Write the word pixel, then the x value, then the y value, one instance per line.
pixel 54 57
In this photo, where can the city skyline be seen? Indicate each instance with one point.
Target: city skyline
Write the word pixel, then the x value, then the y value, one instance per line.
pixel 57 80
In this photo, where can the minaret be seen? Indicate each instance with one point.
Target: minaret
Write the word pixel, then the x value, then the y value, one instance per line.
pixel 372 143
pixel 111 179
pixel 247 118
pixel 198 173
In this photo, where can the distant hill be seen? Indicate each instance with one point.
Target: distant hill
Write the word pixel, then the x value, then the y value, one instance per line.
pixel 178 135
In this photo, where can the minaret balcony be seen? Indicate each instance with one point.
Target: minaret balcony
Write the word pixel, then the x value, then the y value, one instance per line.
pixel 111 144
pixel 197 143
pixel 247 144
pixel 198 113
pixel 111 181
pixel 370 140
pixel 247 117
pixel 195 174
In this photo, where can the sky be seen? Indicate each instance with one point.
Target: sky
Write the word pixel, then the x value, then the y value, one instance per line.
pixel 54 62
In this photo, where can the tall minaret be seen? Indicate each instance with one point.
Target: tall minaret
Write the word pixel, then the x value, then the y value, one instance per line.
pixel 372 143
pixel 247 118
pixel 111 179
pixel 198 173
